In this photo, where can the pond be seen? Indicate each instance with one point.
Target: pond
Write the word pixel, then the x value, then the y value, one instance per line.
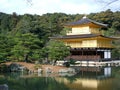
pixel 81 81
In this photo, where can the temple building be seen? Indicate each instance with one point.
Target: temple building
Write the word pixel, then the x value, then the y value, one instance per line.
pixel 87 41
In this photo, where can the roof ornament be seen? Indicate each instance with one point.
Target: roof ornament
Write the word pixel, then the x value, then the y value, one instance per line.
pixel 85 17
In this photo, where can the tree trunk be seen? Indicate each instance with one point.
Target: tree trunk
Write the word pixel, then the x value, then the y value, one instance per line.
pixel 26 57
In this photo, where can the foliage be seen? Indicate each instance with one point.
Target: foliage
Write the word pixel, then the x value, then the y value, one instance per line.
pixel 4 68
pixel 110 32
pixel 116 50
pixel 15 82
pixel 57 50
pixel 25 37
pixel 27 47
pixel 6 45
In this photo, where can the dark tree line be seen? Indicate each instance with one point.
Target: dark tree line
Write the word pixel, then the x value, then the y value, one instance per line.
pixel 25 37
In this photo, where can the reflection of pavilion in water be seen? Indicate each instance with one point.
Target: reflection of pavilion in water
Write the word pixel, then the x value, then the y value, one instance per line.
pixel 100 82
pixel 86 84
pixel 102 72
pixel 106 70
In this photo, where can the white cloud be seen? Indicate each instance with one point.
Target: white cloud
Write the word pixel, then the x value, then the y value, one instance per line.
pixel 65 6
pixel 50 6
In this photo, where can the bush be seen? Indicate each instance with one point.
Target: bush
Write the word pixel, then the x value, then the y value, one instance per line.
pixel 67 64
pixel 72 61
pixel 4 68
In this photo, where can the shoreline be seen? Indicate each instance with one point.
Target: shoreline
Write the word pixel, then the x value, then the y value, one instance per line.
pixel 42 68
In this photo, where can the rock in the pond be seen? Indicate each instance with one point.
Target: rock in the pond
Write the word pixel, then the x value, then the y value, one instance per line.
pixel 4 87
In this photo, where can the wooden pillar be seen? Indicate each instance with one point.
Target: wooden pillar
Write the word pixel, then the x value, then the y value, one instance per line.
pixel 96 54
pixel 82 54
pixel 92 58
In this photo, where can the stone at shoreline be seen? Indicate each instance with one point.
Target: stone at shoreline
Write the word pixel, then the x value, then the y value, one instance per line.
pixel 67 70
pixel 31 68
pixel 48 70
pixel 14 67
pixel 4 87
pixel 39 70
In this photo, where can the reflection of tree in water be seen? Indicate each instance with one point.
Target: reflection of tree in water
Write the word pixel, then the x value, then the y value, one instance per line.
pixel 36 83
pixel 77 82
pixel 71 78
pixel 91 81
pixel 116 81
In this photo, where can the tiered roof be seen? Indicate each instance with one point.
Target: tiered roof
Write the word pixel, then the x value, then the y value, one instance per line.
pixel 85 20
pixel 80 36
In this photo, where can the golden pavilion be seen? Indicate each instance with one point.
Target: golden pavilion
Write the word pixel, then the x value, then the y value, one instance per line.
pixel 87 41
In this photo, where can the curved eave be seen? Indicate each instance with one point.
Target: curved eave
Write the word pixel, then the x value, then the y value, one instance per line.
pixel 113 38
pixel 73 36
pixel 85 22
pixel 117 38
pixel 82 36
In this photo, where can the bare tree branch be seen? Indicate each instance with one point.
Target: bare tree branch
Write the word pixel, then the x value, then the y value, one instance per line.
pixel 107 2
pixel 111 2
pixel 29 2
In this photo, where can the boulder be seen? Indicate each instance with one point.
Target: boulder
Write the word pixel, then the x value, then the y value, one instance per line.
pixel 68 70
pixel 4 87
pixel 48 70
pixel 14 67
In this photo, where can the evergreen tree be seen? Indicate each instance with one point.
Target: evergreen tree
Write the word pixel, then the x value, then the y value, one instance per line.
pixel 6 45
pixel 27 47
pixel 57 50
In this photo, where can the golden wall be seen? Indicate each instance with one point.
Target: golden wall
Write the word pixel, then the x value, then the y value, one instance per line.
pixel 79 30
pixel 89 43
pixel 84 30
pixel 104 43
pixel 95 31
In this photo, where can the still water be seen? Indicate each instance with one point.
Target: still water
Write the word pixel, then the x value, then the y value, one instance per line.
pixel 82 81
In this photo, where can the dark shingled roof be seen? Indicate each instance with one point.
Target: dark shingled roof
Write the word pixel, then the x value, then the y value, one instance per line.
pixel 79 36
pixel 85 20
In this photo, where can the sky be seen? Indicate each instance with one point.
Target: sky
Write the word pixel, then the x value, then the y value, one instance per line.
pixel 40 7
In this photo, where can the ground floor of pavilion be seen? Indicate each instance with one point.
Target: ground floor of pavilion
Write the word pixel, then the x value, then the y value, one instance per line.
pixel 94 54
